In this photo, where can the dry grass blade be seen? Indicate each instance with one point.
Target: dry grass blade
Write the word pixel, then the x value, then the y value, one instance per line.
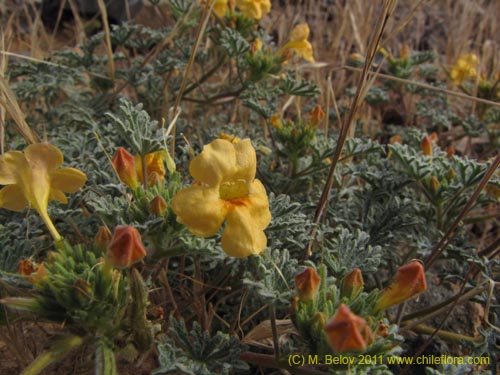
pixel 107 34
pixel 427 87
pixel 363 84
pixel 201 30
pixel 9 102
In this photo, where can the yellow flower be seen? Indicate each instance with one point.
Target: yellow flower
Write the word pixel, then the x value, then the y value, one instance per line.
pixel 129 167
pixel 464 68
pixel 299 43
pixel 254 8
pixel 220 8
pixel 154 164
pixel 33 179
pixel 225 189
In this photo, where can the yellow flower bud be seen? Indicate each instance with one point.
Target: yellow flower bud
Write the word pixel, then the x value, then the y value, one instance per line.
pixel 434 183
pixel 256 46
pixel 276 122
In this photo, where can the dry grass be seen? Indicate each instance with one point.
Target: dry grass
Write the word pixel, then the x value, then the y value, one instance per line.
pixel 449 28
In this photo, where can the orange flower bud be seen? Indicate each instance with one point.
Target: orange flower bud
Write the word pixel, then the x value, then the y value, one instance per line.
pixel 307 283
pixel 317 114
pixel 405 53
pixel 409 281
pixel 158 206
pixel 450 151
pixel 353 283
pixel 124 164
pixel 102 238
pixel 434 137
pixel 35 272
pixel 426 146
pixel 395 139
pixel 126 247
pixel 26 267
pixel 347 331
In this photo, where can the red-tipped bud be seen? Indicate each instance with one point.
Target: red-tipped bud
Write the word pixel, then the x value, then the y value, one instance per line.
pixel 124 164
pixel 307 283
pixel 102 238
pixel 382 330
pixel 158 206
pixel 317 114
pixel 347 331
pixel 353 283
pixel 126 247
pixel 426 146
pixel 409 281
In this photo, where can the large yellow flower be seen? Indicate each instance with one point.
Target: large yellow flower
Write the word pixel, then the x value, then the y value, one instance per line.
pixel 226 189
pixel 33 179
pixel 254 8
pixel 299 43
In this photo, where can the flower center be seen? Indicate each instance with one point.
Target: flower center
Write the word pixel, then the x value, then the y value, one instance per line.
pixel 234 189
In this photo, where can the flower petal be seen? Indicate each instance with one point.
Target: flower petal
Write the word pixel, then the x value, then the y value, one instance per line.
pixel 12 198
pixel 68 180
pixel 57 195
pixel 300 32
pixel 242 236
pixel 154 163
pixel 259 205
pixel 302 48
pixel 200 209
pixel 246 161
pixel 12 164
pixel 44 155
pixel 216 161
